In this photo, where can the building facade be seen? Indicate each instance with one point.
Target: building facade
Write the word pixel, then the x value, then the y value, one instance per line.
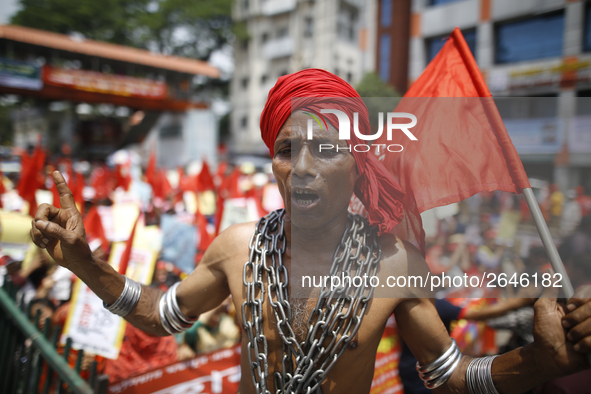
pixel 535 56
pixel 287 36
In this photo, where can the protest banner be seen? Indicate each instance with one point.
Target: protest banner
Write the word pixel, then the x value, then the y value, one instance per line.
pixel 386 379
pixel 216 373
pixel 90 326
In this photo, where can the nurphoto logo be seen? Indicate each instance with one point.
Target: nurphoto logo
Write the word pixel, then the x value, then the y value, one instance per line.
pixel 345 130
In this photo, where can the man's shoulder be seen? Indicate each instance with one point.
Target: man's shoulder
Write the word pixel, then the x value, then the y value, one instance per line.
pixel 395 247
pixel 401 255
pixel 232 243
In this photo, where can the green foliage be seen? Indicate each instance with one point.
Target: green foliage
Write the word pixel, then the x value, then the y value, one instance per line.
pixel 372 86
pixel 374 91
pixel 176 27
pixel 104 20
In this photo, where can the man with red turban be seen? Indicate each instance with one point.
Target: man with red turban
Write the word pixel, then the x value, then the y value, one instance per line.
pixel 320 337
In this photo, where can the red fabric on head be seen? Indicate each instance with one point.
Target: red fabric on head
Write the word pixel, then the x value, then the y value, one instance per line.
pixel 318 89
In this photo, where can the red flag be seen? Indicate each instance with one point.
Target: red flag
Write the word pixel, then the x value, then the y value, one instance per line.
pixel 205 237
pixel 102 181
pixel 160 185
pixel 32 177
pixel 151 169
pixel 123 180
pixel 94 227
pixel 205 179
pixel 124 261
pixel 77 186
pixel 462 146
pixel 219 212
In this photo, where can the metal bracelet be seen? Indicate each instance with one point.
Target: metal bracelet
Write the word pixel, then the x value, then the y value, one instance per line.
pixel 173 320
pixel 439 371
pixel 479 376
pixel 127 300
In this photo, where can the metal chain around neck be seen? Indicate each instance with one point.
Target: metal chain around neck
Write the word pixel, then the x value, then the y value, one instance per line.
pixel 335 319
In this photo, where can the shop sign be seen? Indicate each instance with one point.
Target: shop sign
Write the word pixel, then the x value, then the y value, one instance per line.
pixel 536 136
pixel 20 75
pixel 92 81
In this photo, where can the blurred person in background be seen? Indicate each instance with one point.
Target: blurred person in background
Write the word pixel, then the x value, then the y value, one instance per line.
pixel 556 203
pixel 489 255
pixel 214 330
pixel 584 200
pixel 571 214
pixel 579 243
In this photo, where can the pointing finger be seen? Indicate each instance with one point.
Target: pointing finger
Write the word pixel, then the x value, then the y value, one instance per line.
pixel 66 197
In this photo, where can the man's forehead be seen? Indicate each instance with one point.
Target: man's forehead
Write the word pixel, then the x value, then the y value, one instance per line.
pixel 296 128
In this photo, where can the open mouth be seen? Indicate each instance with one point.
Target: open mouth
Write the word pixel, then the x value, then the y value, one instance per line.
pixel 304 197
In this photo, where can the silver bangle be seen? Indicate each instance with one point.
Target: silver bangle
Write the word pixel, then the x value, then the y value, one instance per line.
pixel 127 300
pixel 439 371
pixel 479 376
pixel 173 320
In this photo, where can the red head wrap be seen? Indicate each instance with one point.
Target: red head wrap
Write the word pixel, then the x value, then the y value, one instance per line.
pixel 378 191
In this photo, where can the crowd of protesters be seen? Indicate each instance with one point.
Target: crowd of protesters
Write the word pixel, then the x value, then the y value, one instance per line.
pixel 489 232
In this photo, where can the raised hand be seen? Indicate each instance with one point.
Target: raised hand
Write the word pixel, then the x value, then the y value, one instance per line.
pixel 557 351
pixel 61 231
pixel 578 320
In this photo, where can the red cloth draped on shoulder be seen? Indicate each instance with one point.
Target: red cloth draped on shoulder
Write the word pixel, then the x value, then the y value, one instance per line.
pixel 318 89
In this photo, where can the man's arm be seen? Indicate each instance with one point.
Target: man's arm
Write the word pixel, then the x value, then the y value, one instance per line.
pixel 61 233
pixel 550 356
pixel 499 309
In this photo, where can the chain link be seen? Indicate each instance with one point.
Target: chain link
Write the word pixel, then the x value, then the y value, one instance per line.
pixel 334 320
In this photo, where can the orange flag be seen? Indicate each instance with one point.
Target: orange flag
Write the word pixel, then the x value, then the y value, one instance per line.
pixel 462 146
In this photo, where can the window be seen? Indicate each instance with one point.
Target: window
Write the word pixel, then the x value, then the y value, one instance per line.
pixel 441 2
pixel 282 73
pixel 282 32
pixel 435 44
pixel 244 122
pixel 386 13
pixel 264 78
pixel 534 38
pixel 244 44
pixel 384 66
pixel 349 77
pixel 347 22
pixel 308 27
pixel 587 30
pixel 244 83
pixel 264 37
pixel 531 107
pixel 584 102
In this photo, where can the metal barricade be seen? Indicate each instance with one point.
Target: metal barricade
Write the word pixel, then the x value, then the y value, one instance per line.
pixel 29 361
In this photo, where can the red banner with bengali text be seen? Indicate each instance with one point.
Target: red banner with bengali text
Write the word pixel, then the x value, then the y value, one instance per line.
pixel 217 372
pixel 92 81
